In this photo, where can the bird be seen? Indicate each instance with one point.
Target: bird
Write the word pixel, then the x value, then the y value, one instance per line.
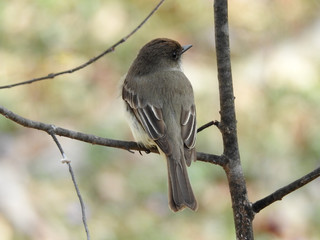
pixel 159 100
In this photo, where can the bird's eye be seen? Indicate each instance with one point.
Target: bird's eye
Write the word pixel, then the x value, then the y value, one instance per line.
pixel 174 55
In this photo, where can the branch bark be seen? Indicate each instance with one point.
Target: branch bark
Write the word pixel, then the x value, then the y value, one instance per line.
pixel 242 211
pixel 109 50
pixel 89 138
pixel 282 192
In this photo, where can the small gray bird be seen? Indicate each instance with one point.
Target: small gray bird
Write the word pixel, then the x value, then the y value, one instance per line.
pixel 160 102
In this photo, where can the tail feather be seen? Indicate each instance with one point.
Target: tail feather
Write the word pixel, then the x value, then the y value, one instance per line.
pixel 180 191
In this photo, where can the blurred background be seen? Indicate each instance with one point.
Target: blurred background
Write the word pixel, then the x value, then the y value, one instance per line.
pixel 275 47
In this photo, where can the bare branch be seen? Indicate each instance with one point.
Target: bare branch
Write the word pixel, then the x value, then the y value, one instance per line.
pixel 211 158
pixel 209 124
pixel 89 138
pixel 64 156
pixel 110 49
pixel 49 128
pixel 83 210
pixel 65 160
pixel 282 192
pixel 242 210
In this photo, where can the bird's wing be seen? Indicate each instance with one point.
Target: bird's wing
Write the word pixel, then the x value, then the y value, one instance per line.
pixel 188 131
pixel 149 116
pixel 188 126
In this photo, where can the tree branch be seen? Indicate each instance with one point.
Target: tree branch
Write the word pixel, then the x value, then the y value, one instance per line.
pixel 110 49
pixel 89 138
pixel 67 161
pixel 282 192
pixel 209 124
pixel 242 211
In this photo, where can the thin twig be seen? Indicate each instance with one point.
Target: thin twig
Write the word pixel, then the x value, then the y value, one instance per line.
pixel 89 138
pixel 211 158
pixel 65 160
pixel 64 156
pixel 110 49
pixel 282 192
pixel 209 124
pixel 83 211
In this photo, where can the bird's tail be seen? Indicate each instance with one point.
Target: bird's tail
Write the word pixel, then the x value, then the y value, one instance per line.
pixel 180 191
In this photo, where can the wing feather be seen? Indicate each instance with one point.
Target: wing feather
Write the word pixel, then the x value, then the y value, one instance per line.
pixel 188 126
pixel 149 116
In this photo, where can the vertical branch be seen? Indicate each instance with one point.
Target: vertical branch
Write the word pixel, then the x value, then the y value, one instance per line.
pixel 242 210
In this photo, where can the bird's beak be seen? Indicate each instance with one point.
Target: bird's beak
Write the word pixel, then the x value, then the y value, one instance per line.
pixel 185 48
